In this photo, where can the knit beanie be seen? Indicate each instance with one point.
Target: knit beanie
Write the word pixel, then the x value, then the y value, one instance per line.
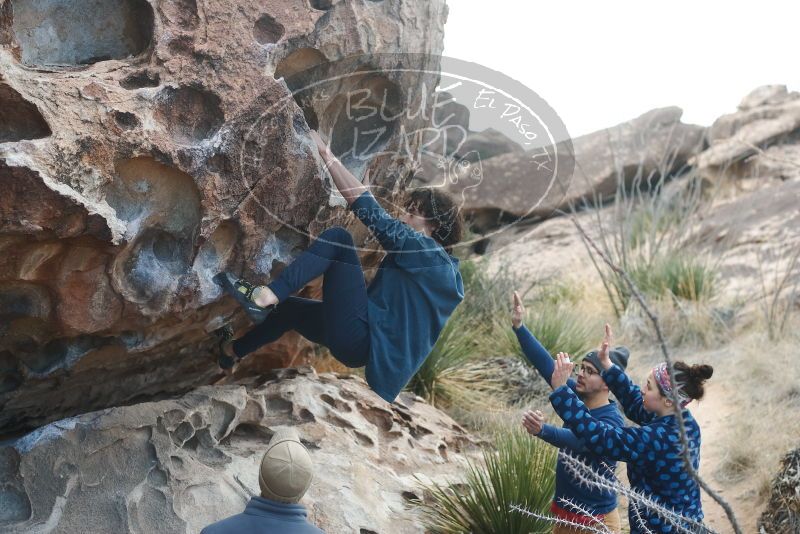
pixel 618 355
pixel 286 469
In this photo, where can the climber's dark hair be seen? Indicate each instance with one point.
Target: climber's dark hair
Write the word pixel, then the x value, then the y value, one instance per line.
pixel 691 378
pixel 443 213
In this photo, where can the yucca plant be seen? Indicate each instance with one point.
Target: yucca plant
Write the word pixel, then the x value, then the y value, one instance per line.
pixel 438 378
pixel 446 376
pixel 685 276
pixel 553 316
pixel 485 294
pixel 560 330
pixel 653 215
pixel 521 471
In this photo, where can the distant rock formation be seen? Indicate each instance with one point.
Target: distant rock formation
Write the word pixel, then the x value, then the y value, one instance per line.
pixel 643 149
pixel 767 116
pixel 750 231
pixel 451 117
pixel 141 152
pixel 754 232
pixel 178 465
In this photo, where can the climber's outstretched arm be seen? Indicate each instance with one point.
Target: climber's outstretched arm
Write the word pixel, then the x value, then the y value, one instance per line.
pixel 348 185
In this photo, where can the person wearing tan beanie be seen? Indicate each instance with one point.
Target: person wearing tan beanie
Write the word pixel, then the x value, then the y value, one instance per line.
pixel 284 477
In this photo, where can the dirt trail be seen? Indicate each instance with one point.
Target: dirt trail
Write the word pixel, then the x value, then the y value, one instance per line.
pixel 715 414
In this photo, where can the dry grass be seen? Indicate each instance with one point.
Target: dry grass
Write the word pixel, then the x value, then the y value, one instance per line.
pixel 761 376
pixel 780 287
pixel 753 403
pixel 685 323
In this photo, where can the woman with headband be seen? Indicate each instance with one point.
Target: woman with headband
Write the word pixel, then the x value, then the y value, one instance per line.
pixel 653 450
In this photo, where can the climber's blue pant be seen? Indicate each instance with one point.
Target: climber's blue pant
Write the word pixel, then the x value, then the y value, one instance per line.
pixel 339 321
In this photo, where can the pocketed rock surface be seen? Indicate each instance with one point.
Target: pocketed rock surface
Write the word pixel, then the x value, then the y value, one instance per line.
pixel 147 145
pixel 178 465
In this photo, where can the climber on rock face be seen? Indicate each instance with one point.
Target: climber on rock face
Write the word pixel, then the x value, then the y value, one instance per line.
pixel 284 477
pixel 389 327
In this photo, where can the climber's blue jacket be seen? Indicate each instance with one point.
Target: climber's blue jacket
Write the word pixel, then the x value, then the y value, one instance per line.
pixel 416 288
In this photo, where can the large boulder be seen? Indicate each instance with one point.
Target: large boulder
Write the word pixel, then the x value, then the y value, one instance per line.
pixel 753 239
pixel 762 103
pixel 765 95
pixel 768 116
pixel 147 145
pixel 774 163
pixel 178 465
pixel 487 144
pixel 653 145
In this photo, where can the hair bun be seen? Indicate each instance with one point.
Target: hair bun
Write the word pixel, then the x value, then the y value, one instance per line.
pixel 701 371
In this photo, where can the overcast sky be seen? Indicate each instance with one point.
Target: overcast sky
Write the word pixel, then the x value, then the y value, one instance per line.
pixel 601 63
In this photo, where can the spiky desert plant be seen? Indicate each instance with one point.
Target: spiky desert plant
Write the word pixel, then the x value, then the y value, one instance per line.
pixel 521 471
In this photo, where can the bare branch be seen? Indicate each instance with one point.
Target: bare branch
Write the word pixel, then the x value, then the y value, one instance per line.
pixel 639 519
pixel 776 310
pixel 600 528
pixel 588 477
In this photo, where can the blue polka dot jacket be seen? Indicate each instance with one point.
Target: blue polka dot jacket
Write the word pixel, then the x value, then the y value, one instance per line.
pixel 652 452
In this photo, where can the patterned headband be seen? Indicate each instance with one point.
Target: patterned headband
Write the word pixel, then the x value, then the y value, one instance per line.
pixel 661 373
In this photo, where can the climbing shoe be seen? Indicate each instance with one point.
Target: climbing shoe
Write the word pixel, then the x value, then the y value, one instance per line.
pixel 242 291
pixel 224 335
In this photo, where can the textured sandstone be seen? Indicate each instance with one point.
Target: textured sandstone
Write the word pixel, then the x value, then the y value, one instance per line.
pixel 178 465
pixel 767 116
pixel 142 151
pixel 753 236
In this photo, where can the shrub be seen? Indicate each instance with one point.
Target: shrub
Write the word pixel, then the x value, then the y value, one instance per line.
pixel 445 377
pixel 779 295
pixel 554 314
pixel 438 379
pixel 643 223
pixel 486 295
pixel 454 372
pixel 520 472
pixel 557 327
pixel 646 233
pixel 683 323
pixel 683 275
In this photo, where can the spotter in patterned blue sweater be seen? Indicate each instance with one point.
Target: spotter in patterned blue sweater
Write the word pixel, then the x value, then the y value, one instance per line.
pixel 652 452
